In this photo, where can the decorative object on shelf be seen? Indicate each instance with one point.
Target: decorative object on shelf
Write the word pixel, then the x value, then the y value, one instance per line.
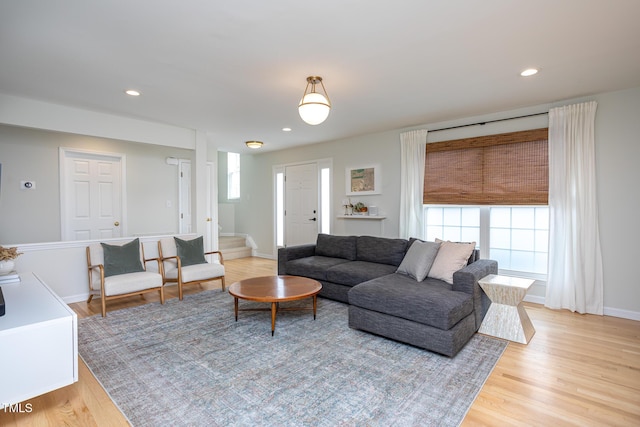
pixel 254 144
pixel 373 210
pixel 7 257
pixel 360 209
pixel 348 207
pixel 314 107
pixel 363 180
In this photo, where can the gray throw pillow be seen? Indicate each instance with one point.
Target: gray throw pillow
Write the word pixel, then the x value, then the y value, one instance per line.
pixel 419 259
pixel 122 259
pixel 190 252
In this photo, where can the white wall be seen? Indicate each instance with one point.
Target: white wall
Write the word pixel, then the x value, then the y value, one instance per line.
pixel 617 150
pixel 33 216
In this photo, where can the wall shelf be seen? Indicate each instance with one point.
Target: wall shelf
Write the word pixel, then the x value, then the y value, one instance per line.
pixel 373 217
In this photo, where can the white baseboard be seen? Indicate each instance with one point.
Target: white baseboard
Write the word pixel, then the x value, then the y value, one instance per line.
pixel 608 311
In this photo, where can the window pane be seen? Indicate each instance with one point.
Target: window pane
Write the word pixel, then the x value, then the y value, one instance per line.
pixel 499 238
pixel 542 218
pixel 522 240
pixel 325 200
pixel 451 233
pixel 470 217
pixel 518 235
pixel 522 218
pixel 233 175
pixel 451 216
pixel 470 234
pixel 501 217
pixel 280 209
pixel 434 216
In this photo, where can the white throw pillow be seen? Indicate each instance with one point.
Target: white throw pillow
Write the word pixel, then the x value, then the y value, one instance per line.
pixel 451 258
pixel 418 259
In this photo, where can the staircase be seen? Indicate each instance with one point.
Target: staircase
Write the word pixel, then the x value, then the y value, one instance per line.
pixel 233 247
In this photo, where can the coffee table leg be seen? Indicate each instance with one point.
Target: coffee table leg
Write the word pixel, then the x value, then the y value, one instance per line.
pixel 315 305
pixel 235 306
pixel 273 317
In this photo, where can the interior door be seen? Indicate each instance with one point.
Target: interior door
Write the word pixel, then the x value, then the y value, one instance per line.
pixel 91 196
pixel 301 204
pixel 184 196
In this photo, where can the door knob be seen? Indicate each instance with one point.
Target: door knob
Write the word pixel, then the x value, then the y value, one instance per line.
pixel 116 223
pixel 312 219
pixel 208 219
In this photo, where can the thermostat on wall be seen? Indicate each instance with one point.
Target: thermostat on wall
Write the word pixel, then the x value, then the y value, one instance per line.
pixel 27 185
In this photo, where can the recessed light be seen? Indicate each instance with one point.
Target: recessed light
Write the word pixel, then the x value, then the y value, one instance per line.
pixel 132 92
pixel 529 72
pixel 286 129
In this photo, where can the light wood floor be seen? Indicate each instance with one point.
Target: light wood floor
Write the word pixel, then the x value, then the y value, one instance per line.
pixel 580 370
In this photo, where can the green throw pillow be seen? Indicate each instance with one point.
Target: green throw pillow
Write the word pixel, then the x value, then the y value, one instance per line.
pixel 122 259
pixel 190 252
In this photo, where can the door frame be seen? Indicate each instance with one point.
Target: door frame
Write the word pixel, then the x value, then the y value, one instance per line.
pixel 323 211
pixel 63 153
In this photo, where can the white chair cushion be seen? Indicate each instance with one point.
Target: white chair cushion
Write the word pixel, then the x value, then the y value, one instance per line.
pixel 131 282
pixel 196 272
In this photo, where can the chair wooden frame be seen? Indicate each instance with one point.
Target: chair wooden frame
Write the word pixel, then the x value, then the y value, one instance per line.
pixel 178 279
pixel 103 297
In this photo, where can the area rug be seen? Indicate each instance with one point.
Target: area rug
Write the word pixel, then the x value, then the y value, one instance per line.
pixel 190 363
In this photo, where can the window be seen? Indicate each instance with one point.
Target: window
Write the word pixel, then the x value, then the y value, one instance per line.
pixel 515 236
pixel 233 176
pixel 492 190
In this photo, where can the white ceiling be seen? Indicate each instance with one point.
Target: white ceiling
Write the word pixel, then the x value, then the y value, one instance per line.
pixel 237 69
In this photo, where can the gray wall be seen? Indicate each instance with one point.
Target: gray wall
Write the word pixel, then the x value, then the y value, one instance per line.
pixel 34 216
pixel 617 151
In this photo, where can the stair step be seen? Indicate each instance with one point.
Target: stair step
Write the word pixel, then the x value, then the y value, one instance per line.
pixel 234 253
pixel 226 242
pixel 233 247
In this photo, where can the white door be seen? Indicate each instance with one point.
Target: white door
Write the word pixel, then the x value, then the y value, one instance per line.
pixel 301 204
pixel 185 196
pixel 211 242
pixel 91 195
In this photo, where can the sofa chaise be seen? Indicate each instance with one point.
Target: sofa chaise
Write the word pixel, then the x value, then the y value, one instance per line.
pixel 391 291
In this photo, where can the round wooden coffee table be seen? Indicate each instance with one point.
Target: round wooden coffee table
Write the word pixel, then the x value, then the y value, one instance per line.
pixel 275 289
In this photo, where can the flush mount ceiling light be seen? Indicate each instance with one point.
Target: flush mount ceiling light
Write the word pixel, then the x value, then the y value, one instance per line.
pixel 529 72
pixel 132 92
pixel 314 107
pixel 254 144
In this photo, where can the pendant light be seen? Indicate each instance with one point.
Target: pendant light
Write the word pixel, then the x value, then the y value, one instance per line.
pixel 314 106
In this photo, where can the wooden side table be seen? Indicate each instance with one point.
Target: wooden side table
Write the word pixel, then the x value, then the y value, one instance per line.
pixel 507 317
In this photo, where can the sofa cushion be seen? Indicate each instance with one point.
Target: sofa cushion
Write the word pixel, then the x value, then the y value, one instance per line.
pixel 336 246
pixel 418 259
pixel 314 267
pixel 381 250
pixel 451 258
pixel 354 272
pixel 431 302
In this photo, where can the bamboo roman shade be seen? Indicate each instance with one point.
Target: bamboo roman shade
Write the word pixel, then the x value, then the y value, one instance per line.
pixel 505 169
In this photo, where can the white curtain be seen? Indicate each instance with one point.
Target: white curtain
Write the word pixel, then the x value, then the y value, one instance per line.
pixel 575 278
pixel 412 156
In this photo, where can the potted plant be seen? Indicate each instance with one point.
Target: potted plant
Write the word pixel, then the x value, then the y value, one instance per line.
pixel 360 208
pixel 7 257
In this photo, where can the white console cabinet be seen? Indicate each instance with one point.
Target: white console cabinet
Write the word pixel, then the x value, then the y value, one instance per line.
pixel 38 341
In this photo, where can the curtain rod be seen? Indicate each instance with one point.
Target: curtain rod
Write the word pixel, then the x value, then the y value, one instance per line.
pixel 488 121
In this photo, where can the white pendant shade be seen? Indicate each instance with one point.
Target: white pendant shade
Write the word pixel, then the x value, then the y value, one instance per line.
pixel 314 107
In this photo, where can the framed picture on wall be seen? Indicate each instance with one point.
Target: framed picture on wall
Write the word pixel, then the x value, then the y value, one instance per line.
pixel 363 180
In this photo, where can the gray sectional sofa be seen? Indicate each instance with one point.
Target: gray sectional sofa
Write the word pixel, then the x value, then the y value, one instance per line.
pixel 362 271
